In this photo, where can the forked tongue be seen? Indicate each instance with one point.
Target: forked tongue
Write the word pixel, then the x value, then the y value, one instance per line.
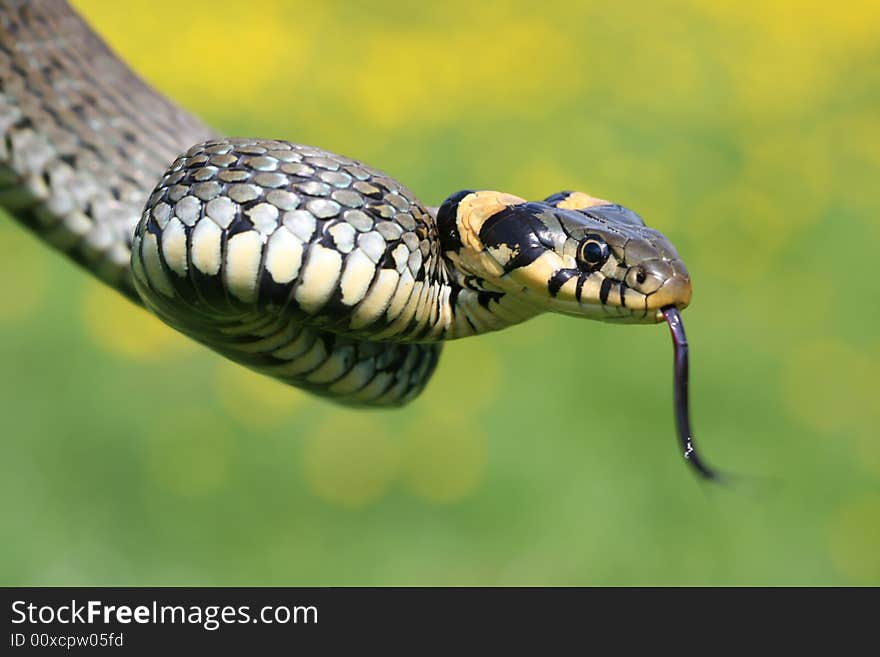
pixel 680 394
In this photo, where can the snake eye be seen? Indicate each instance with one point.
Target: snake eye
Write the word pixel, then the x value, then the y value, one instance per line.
pixel 593 252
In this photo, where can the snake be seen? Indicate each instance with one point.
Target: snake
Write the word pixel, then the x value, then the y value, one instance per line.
pixel 301 264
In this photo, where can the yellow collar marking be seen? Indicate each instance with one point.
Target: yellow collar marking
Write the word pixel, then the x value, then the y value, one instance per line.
pixel 473 211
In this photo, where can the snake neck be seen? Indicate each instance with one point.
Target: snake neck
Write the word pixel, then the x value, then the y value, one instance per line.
pixel 452 305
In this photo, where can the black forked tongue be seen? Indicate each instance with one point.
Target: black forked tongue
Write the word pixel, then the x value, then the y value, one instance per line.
pixel 680 388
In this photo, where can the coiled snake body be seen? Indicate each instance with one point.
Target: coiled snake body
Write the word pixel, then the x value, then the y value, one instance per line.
pixel 301 264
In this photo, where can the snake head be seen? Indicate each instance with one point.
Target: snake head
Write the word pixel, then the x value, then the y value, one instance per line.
pixel 570 253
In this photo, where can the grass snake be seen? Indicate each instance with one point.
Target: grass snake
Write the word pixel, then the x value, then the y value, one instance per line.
pixel 301 264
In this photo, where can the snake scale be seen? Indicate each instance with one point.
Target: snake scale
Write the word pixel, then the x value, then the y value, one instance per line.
pixel 301 264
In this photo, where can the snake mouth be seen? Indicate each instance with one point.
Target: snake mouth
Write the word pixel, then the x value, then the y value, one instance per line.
pixel 675 293
pixel 643 298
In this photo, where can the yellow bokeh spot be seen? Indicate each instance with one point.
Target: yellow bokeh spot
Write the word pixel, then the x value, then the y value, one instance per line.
pixel 783 54
pixel 415 74
pixel 350 460
pixel 854 540
pixel 23 281
pixel 224 56
pixel 253 399
pixel 122 328
pixel 825 386
pixel 188 454
pixel 444 461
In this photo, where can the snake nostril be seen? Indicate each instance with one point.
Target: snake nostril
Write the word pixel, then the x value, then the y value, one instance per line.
pixel 636 276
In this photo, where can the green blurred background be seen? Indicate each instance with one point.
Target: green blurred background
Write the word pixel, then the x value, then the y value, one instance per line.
pixel 748 132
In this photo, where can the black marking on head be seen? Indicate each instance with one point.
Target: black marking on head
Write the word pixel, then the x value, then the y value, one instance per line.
pixel 447 224
pixel 519 228
pixel 605 290
pixel 559 279
pixel 523 258
pixel 515 224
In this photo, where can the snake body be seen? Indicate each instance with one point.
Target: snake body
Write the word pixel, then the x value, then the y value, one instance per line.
pixel 304 265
